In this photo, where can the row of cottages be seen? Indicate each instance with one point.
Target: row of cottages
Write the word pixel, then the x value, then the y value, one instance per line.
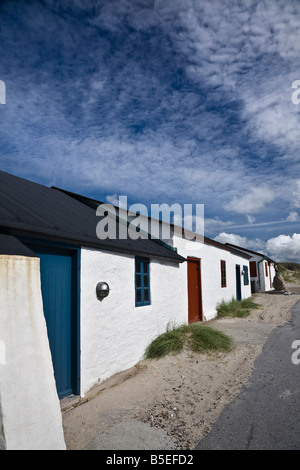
pixel 60 333
pixel 212 271
pixel 262 270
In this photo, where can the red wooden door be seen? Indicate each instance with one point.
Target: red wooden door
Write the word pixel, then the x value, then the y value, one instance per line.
pixel 194 290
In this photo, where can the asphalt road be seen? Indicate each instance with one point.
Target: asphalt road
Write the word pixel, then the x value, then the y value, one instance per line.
pixel 266 413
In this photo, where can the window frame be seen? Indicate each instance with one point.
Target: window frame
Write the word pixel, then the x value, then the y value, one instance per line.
pixel 223 273
pixel 246 275
pixel 142 286
pixel 253 268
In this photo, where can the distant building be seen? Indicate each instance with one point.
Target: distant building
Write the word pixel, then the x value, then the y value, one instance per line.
pixel 262 270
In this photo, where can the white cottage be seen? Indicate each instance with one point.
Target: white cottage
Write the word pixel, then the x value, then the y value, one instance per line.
pixel 57 336
pixel 213 271
pixel 262 269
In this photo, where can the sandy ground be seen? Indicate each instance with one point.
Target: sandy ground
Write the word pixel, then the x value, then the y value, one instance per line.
pixel 182 395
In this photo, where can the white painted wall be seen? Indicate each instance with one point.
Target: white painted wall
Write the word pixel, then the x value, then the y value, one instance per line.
pixel 246 289
pixel 262 282
pixel 211 256
pixel 115 333
pixel 255 258
pixel 30 410
pixel 264 279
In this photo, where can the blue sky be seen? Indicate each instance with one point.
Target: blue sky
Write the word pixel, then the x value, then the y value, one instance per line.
pixel 165 101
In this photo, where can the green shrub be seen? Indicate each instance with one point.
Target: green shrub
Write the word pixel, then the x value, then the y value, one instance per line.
pixel 235 308
pixel 196 337
pixel 204 339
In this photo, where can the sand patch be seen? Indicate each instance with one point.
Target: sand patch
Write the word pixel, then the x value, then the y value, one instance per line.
pixel 182 395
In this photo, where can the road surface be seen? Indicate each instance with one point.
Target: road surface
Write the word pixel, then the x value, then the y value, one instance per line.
pixel 266 413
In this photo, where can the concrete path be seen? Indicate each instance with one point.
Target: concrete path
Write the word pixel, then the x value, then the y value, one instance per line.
pixel 243 330
pixel 266 413
pixel 132 434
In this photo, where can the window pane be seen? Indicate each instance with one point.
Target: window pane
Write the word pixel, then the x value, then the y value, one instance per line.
pixel 137 266
pixel 138 280
pixel 142 282
pixel 138 296
pixel 146 281
pixel 146 267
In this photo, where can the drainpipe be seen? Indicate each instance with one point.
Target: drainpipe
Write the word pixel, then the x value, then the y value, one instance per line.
pixel 259 280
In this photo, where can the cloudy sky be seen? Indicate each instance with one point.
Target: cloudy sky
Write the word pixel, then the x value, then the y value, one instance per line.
pixel 164 101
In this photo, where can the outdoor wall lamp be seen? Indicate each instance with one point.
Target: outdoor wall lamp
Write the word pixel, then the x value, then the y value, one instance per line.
pixel 102 290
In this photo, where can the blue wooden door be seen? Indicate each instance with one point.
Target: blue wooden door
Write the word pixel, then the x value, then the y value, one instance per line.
pixel 57 283
pixel 238 282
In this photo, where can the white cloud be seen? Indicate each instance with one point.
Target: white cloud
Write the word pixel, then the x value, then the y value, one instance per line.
pixel 296 194
pixel 280 248
pixel 269 37
pixel 239 59
pixel 252 202
pixel 244 242
pixel 293 216
pixel 215 223
pixel 285 248
pixel 232 238
pixel 113 199
pixel 250 218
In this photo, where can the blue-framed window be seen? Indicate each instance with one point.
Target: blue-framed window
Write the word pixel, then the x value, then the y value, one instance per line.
pixel 246 276
pixel 142 281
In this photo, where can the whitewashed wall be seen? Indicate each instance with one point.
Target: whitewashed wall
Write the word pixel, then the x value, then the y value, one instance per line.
pixel 246 289
pixel 262 282
pixel 30 410
pixel 264 279
pixel 115 333
pixel 212 292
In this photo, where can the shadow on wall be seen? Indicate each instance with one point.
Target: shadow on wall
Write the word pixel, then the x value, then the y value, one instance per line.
pixel 2 437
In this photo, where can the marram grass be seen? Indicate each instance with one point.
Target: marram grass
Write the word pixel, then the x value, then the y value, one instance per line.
pixel 235 308
pixel 196 337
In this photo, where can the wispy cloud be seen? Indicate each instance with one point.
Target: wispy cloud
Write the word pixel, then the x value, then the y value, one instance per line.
pixel 251 202
pixel 163 101
pixel 293 216
pixel 250 218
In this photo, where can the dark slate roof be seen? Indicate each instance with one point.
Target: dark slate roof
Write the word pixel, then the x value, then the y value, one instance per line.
pixel 10 245
pixel 32 210
pixel 94 203
pixel 208 241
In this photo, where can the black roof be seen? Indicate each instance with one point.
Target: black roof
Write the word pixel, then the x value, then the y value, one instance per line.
pixel 32 210
pixel 94 203
pixel 10 245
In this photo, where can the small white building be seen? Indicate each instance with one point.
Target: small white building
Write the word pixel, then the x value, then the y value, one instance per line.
pixel 58 336
pixel 214 271
pixel 262 270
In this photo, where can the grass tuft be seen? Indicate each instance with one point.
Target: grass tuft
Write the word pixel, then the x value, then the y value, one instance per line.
pixel 235 308
pixel 196 337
